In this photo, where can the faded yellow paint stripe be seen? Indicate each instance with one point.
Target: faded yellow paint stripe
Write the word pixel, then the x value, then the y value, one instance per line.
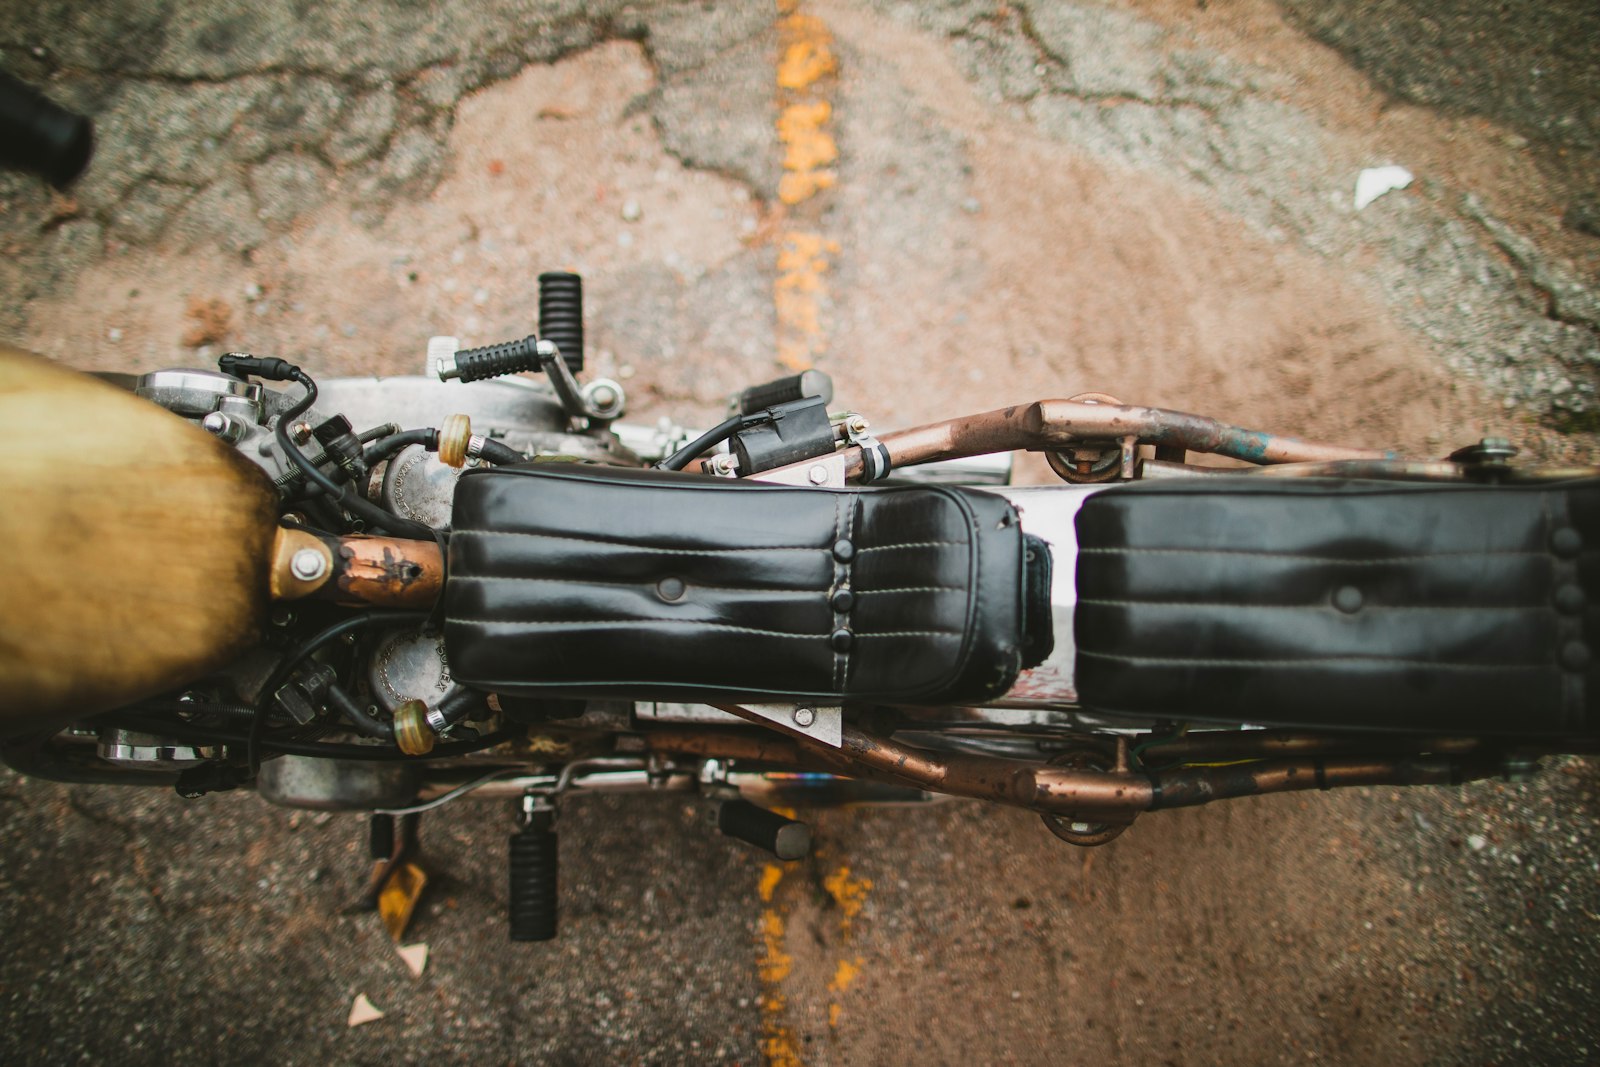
pixel 847 892
pixel 806 74
pixel 850 895
pixel 842 977
pixel 779 1047
pixel 807 70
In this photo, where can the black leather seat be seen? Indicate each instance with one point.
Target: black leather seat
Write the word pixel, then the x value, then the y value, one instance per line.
pixel 1459 608
pixel 582 580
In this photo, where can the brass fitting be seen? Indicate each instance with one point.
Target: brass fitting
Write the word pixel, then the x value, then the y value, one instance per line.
pixel 411 730
pixel 455 432
pixel 301 564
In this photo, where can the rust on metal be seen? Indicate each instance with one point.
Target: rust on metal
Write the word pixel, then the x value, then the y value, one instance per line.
pixel 1092 796
pixel 1207 745
pixel 725 744
pixel 1051 425
pixel 979 777
pixel 1392 470
pixel 1201 785
pixel 1118 795
pixel 386 572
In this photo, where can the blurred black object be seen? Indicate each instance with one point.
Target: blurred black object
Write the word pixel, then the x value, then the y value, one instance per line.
pixel 40 136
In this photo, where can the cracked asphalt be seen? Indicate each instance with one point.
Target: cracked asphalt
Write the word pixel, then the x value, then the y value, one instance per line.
pixel 1002 201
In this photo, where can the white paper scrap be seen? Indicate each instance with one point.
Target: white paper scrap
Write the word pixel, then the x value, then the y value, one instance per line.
pixel 1375 181
pixel 416 957
pixel 363 1011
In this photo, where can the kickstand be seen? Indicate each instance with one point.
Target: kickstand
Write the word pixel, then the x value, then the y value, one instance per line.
pixel 397 880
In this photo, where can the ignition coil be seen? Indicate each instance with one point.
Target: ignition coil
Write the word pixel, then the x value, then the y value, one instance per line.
pixel 788 433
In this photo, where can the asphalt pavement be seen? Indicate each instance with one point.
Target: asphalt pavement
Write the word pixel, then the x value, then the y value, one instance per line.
pixel 948 207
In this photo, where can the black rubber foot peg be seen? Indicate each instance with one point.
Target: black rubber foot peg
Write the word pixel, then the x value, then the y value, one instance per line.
pixel 784 838
pixel 533 880
pixel 561 314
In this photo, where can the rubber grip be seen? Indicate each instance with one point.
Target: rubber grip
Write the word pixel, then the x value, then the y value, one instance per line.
pixel 493 361
pixel 785 390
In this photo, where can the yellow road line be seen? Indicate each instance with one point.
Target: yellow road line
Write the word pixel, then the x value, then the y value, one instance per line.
pixel 849 893
pixel 779 1048
pixel 780 1043
pixel 807 74
pixel 806 77
pixel 843 975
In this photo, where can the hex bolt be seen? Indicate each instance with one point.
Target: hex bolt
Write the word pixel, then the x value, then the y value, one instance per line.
pixel 804 717
pixel 301 432
pixel 308 565
pixel 220 425
pixel 818 474
pixel 725 464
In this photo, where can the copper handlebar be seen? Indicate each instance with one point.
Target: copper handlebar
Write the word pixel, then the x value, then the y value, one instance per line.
pixel 1049 425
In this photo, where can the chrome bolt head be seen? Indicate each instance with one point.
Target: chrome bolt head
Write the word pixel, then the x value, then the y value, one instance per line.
pixel 804 717
pixel 308 564
pixel 220 424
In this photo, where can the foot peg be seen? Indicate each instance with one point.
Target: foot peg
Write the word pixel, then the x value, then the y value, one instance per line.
pixel 533 873
pixel 767 830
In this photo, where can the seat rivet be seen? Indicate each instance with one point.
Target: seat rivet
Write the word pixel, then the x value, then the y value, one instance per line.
pixel 1566 542
pixel 1570 598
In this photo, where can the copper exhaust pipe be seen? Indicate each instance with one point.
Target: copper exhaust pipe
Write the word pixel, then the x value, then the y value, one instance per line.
pixel 1207 745
pixel 1088 795
pixel 1201 785
pixel 728 744
pixel 1111 797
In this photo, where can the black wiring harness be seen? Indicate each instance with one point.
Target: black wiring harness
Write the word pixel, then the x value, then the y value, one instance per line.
pixel 247 725
pixel 262 727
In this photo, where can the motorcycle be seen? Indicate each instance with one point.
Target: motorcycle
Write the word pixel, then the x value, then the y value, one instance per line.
pixel 386 595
